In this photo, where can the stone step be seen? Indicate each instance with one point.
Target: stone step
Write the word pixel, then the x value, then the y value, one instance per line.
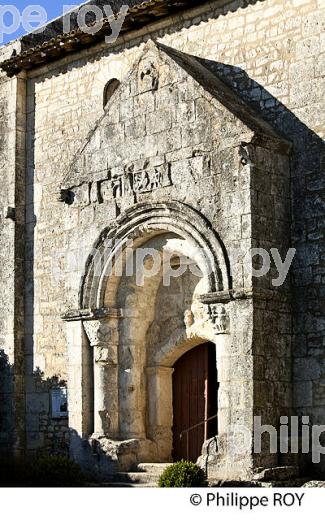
pixel 116 484
pixel 146 474
pixel 137 477
pixel 156 468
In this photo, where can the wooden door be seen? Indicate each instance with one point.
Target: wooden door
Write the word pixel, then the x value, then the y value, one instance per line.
pixel 194 400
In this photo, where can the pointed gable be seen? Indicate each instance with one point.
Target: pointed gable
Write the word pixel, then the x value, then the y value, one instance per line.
pixel 169 107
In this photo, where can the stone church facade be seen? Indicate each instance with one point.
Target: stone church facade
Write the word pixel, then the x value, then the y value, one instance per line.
pixel 196 135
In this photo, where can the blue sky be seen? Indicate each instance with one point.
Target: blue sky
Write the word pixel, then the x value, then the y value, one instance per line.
pixel 53 8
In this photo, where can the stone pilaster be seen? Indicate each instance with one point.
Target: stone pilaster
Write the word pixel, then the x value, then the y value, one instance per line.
pixel 80 380
pixel 160 407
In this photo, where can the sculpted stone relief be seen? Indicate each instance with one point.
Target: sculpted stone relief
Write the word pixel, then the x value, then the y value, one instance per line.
pixel 117 186
pixel 150 179
pixel 219 317
pixel 148 78
pixel 133 179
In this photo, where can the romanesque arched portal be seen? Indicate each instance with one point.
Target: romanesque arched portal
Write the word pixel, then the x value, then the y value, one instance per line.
pixel 142 289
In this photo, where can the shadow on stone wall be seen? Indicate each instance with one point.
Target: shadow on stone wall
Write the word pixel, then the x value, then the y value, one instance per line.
pixel 42 433
pixel 307 237
pixel 45 435
pixel 7 427
pixel 308 208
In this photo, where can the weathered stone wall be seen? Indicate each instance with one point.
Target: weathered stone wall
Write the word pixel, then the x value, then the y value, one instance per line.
pixel 12 216
pixel 166 123
pixel 130 137
pixel 273 51
pixel 7 269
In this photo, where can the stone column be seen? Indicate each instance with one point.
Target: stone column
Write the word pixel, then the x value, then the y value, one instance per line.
pixel 160 408
pixel 103 337
pixel 219 319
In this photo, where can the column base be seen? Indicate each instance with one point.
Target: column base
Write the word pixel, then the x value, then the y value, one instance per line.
pixel 101 458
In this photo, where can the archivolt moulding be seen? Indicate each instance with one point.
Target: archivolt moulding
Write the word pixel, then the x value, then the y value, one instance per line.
pixel 140 223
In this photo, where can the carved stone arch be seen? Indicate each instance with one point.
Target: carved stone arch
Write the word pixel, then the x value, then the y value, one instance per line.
pixel 137 332
pixel 141 220
pixel 178 344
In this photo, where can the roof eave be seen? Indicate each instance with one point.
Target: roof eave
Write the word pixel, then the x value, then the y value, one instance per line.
pixel 138 16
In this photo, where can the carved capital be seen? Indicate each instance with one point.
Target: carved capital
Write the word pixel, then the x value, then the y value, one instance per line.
pixel 219 318
pixel 102 332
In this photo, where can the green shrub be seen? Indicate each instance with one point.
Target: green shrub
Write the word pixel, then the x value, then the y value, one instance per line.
pixel 183 474
pixel 54 471
pixel 46 471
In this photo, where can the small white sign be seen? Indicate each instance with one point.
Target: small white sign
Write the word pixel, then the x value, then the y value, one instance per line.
pixel 59 403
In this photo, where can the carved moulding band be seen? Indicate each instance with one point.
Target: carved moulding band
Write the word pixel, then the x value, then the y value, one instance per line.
pixel 244 294
pixel 92 314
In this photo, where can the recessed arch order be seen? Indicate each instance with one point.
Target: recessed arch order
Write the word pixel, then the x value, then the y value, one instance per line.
pixel 141 221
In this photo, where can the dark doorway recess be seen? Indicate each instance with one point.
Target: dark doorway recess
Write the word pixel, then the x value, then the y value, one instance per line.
pixel 195 400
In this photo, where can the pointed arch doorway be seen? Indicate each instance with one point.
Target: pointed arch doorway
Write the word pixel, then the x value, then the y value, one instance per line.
pixel 195 400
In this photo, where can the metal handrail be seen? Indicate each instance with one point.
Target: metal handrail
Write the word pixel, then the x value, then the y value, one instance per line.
pixel 193 428
pixel 198 424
